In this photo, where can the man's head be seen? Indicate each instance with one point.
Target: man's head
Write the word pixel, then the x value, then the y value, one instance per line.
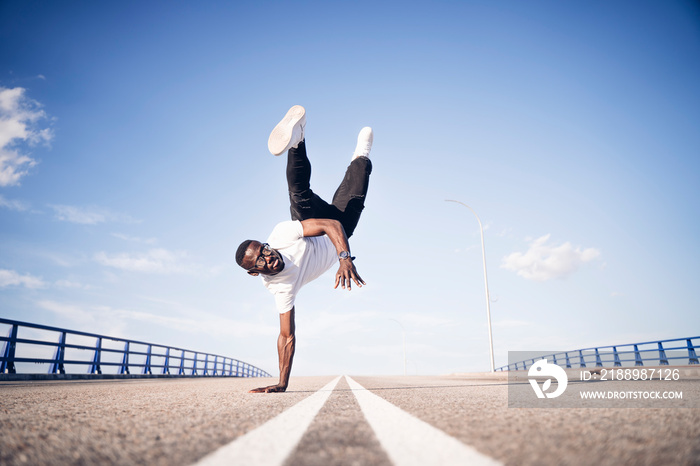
pixel 259 258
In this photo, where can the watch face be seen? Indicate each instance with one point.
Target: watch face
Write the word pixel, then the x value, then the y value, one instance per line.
pixel 344 255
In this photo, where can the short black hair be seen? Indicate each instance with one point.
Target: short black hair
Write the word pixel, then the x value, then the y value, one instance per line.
pixel 240 253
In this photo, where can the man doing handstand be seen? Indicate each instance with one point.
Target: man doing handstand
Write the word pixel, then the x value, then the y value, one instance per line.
pixel 301 250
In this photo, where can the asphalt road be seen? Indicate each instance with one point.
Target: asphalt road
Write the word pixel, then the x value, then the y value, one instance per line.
pixel 461 419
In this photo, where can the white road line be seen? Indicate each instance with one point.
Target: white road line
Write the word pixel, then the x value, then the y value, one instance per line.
pixel 271 443
pixel 409 441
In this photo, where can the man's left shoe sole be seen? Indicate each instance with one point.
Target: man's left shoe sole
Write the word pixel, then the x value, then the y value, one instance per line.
pixel 281 136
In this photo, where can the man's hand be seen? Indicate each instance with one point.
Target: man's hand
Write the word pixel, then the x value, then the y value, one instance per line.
pixel 271 389
pixel 347 274
pixel 286 343
pixel 336 233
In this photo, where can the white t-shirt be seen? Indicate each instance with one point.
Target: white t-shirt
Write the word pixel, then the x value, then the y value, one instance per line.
pixel 305 259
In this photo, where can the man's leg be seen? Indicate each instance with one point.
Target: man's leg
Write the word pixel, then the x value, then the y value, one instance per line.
pixel 303 202
pixel 349 199
pixel 288 136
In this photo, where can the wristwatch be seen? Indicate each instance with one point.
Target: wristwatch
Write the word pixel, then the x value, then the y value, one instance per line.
pixel 345 255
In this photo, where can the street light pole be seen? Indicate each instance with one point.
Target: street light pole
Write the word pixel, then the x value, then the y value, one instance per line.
pixel 403 330
pixel 486 280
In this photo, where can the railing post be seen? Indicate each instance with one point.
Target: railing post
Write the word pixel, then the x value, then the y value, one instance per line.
pixel 57 366
pixel 554 358
pixel 166 365
pixel 97 358
pixel 637 357
pixel 124 369
pixel 663 360
pixel 582 362
pixel 147 366
pixel 616 357
pixel 598 361
pixel 692 357
pixel 238 368
pixel 182 364
pixel 8 364
pixel 568 363
pixel 216 366
pixel 206 364
pixel 194 364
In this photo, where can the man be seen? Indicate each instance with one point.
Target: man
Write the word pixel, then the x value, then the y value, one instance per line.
pixel 301 250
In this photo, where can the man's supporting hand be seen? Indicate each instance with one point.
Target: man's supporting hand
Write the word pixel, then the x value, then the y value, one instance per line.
pixel 271 389
pixel 286 343
pixel 347 274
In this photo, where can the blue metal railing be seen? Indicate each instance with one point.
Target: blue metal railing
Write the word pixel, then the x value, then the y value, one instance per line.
pixel 102 352
pixel 619 355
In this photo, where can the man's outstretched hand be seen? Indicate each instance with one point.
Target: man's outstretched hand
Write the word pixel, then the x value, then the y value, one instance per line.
pixel 347 274
pixel 271 389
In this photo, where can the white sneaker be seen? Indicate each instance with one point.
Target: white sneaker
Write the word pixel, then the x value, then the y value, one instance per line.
pixel 364 143
pixel 289 132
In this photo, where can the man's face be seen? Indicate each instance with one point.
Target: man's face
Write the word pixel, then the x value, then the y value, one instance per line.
pixel 261 258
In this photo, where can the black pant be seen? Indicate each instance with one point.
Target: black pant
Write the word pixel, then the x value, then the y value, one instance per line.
pixel 348 201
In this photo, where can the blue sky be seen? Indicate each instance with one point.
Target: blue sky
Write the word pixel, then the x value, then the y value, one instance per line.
pixel 133 161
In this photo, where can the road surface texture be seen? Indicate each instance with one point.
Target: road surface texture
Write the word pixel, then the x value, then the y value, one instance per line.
pixel 459 419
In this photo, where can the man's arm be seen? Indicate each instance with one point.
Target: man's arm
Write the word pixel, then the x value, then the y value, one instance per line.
pixel 336 233
pixel 286 344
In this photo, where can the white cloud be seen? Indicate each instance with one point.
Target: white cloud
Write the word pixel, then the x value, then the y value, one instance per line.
pixel 67 311
pixel 505 232
pixel 511 323
pixel 543 261
pixel 325 323
pixel 88 215
pixel 205 324
pixel 157 260
pixel 376 350
pixel 467 249
pixel 135 239
pixel 112 321
pixel 13 204
pixel 86 319
pixel 421 321
pixel 71 285
pixel 12 278
pixel 18 124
